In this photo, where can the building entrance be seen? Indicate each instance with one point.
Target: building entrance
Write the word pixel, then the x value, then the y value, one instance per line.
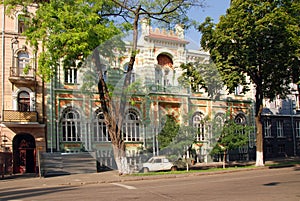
pixel 24 153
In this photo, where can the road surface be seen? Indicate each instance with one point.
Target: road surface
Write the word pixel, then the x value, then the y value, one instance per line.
pixel 263 184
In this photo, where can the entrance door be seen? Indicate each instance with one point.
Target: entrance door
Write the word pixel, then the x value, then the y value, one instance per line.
pixel 24 153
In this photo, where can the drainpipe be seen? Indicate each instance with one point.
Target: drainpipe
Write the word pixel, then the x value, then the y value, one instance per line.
pixel 51 114
pixel 3 60
pixel 293 129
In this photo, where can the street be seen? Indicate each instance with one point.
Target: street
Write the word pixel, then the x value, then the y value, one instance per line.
pixel 262 184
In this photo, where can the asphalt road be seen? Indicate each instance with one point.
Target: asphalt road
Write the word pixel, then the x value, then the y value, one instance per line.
pixel 265 184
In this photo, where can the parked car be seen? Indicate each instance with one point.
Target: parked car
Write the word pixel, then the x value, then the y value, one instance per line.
pixel 162 163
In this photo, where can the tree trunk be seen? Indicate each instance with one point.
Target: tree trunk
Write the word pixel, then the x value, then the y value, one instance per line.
pixel 259 130
pixel 224 160
pixel 259 142
pixel 113 118
pixel 121 159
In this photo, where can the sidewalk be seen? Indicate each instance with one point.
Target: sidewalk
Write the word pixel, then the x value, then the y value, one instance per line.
pixel 30 180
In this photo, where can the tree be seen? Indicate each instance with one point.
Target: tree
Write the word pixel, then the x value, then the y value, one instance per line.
pixel 167 13
pixel 256 42
pixel 181 143
pixel 168 132
pixel 64 31
pixel 233 136
pixel 202 76
pixel 71 27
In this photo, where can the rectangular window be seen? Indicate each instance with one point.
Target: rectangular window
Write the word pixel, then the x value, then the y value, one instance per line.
pixel 267 128
pixel 71 75
pixel 238 90
pixel 269 149
pixel 200 132
pixel 280 128
pixel 297 129
pixel 22 19
pixel 281 148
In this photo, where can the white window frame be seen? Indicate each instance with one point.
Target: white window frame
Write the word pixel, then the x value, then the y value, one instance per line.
pixel 297 123
pixel 238 90
pixel 23 61
pixel 100 130
pixel 199 125
pixel 279 128
pixel 71 126
pixel 268 128
pixel 71 75
pixel 132 127
pixel 24 101
pixel 125 68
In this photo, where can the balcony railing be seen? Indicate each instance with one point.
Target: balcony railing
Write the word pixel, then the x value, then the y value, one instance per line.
pixel 17 116
pixel 21 72
pixel 22 76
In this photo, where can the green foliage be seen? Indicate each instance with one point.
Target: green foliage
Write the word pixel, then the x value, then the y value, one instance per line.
pixel 168 133
pixel 232 136
pixel 258 39
pixel 183 141
pixel 201 76
pixel 67 31
pixel 257 42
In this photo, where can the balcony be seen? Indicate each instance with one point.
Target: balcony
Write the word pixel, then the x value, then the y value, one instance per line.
pixel 22 76
pixel 17 116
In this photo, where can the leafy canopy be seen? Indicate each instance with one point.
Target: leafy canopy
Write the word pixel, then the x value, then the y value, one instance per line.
pixel 201 76
pixel 67 30
pixel 169 132
pixel 259 40
pixel 232 136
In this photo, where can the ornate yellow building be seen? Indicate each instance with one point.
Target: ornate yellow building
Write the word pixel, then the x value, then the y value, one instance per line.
pixel 23 120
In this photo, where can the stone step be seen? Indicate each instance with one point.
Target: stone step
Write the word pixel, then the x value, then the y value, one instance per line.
pixel 53 164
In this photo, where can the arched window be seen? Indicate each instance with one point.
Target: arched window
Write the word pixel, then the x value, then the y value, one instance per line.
pixel 165 60
pixel 163 75
pixel 23 101
pixel 71 125
pixel 218 124
pixel 240 119
pixel 219 120
pixel 131 126
pixel 198 123
pixel 23 62
pixel 100 130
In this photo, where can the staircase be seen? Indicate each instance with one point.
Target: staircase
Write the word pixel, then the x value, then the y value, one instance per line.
pixel 79 163
pixel 54 164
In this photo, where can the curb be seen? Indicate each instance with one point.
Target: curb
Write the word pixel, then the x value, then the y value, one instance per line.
pixel 126 178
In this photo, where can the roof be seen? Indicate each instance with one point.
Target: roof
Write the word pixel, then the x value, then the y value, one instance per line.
pixel 164 37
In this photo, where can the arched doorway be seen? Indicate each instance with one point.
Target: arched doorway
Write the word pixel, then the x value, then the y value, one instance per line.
pixel 24 153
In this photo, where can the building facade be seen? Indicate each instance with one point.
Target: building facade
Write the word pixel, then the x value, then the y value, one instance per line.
pixel 60 117
pixel 77 124
pixel 22 127
pixel 281 121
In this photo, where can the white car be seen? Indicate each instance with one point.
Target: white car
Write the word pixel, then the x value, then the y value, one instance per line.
pixel 158 163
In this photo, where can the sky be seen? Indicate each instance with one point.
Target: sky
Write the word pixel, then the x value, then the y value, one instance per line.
pixel 213 9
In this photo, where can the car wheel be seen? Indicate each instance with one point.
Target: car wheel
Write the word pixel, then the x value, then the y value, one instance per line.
pixel 145 170
pixel 174 168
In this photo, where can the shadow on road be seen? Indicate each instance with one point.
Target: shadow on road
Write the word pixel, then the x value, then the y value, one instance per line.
pixel 21 193
pixel 272 184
